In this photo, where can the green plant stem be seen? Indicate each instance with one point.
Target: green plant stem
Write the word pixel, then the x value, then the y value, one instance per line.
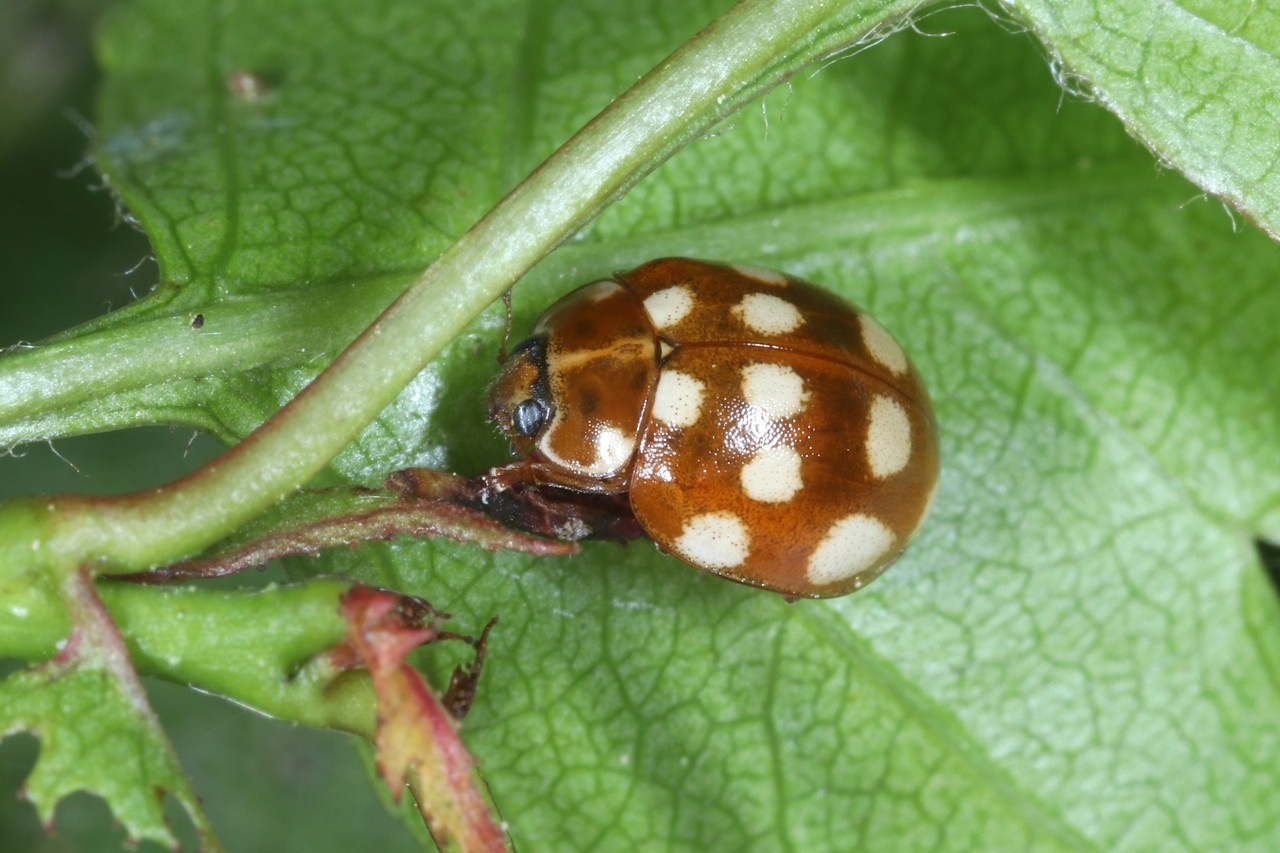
pixel 753 46
pixel 117 353
pixel 262 648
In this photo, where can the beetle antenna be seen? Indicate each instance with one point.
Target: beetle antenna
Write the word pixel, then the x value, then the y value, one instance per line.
pixel 506 328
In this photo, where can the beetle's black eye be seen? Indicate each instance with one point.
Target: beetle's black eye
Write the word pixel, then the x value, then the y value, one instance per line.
pixel 529 417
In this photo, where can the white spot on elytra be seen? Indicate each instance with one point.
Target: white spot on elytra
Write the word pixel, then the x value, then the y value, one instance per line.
pixel 678 399
pixel 766 314
pixel 882 346
pixel 775 389
pixel 772 475
pixel 762 275
pixel 669 306
pixel 714 540
pixel 888 437
pixel 854 544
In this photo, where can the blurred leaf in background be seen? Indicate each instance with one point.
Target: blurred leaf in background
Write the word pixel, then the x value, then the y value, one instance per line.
pixel 67 257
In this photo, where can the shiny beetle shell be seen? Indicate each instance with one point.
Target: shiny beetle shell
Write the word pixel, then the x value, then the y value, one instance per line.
pixel 762 429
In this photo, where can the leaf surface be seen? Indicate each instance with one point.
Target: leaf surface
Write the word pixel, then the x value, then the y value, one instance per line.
pixel 1196 81
pixel 1079 651
pixel 96 727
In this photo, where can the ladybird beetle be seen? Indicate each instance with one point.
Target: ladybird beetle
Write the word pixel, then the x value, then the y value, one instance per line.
pixel 758 427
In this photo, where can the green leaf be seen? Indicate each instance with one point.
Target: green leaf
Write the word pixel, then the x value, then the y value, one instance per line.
pixel 1079 652
pixel 96 727
pixel 1193 80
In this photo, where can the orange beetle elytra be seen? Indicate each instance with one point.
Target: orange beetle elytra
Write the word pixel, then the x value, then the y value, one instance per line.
pixel 758 427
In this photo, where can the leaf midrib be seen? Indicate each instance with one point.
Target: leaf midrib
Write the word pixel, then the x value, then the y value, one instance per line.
pixel 941 726
pixel 890 219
